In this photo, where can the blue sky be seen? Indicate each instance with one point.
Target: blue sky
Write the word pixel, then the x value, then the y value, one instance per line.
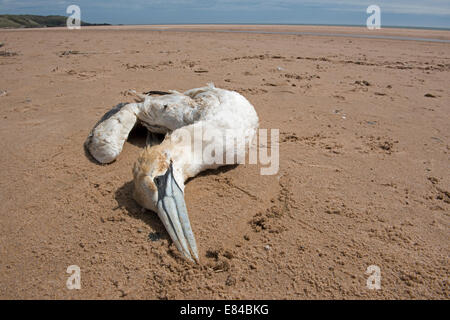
pixel 431 13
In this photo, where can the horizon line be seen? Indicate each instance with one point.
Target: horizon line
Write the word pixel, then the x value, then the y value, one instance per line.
pixel 278 24
pixel 236 24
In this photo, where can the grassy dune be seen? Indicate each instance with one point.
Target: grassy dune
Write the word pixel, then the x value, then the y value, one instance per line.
pixel 34 21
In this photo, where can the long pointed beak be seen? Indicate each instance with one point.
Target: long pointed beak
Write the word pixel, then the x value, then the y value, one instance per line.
pixel 173 213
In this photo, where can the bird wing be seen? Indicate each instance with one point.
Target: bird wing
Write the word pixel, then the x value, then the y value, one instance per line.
pixel 105 142
pixel 160 112
pixel 165 113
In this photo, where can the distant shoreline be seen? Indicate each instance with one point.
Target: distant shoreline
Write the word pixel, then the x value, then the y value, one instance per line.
pixel 283 24
pixel 325 34
pixel 86 24
pixel 27 21
pixel 235 24
pixel 360 32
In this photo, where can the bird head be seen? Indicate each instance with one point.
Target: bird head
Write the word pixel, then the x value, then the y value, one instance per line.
pixel 158 186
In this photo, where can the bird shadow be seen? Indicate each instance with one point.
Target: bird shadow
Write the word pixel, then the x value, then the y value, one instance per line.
pixel 215 172
pixel 124 198
pixel 138 136
pixel 141 137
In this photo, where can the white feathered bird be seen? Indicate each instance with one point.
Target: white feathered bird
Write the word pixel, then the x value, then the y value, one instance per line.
pixel 160 172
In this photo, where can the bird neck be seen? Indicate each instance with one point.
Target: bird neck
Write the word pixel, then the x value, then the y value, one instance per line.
pixel 179 148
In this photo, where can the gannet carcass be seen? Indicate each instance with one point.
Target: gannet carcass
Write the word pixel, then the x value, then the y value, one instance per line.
pixel 206 116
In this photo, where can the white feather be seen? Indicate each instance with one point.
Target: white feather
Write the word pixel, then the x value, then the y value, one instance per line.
pixel 214 110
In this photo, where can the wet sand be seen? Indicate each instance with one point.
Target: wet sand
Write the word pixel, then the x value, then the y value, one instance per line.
pixel 363 178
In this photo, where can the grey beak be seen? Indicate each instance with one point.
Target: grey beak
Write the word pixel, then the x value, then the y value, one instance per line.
pixel 173 213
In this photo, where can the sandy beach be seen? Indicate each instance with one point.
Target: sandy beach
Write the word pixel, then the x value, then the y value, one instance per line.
pixel 363 177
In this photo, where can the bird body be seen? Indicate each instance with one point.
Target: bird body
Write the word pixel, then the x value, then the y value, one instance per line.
pixel 204 126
